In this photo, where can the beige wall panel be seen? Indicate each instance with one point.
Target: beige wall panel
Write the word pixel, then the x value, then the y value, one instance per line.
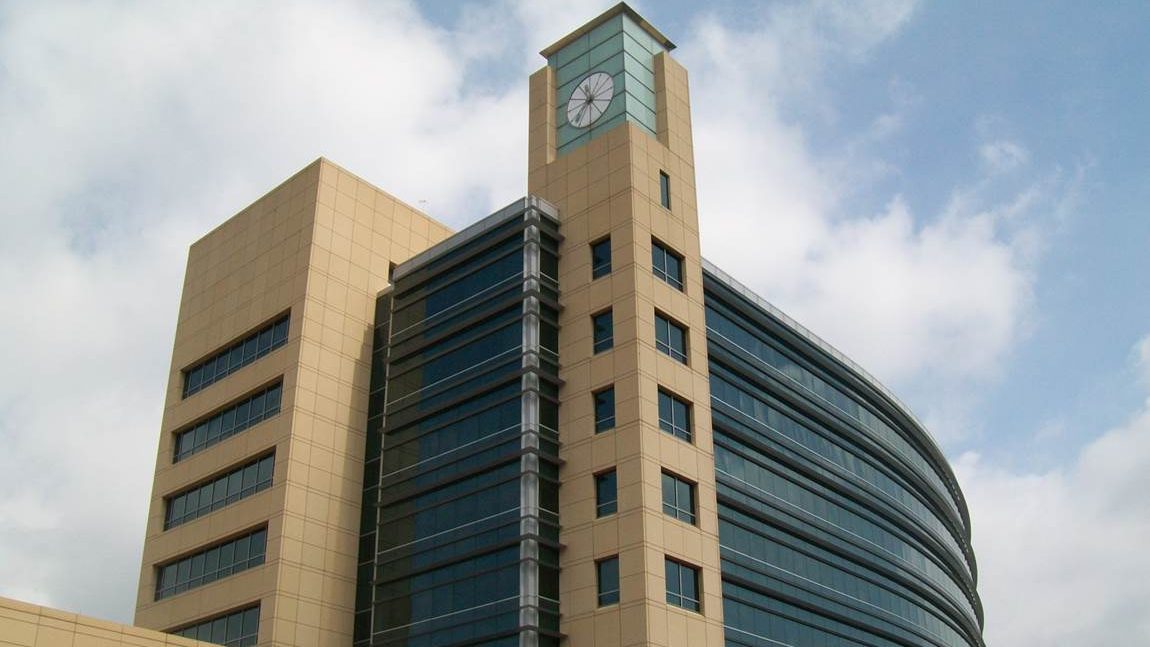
pixel 320 245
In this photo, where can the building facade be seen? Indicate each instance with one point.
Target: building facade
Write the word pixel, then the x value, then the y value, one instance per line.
pixel 558 426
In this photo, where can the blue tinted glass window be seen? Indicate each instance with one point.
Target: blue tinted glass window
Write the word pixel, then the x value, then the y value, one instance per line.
pixel 604 409
pixel 232 486
pixel 235 629
pixel 665 190
pixel 678 498
pixel 236 356
pixel 682 585
pixel 670 338
pixel 667 265
pixel 674 416
pixel 228 422
pixel 601 258
pixel 603 332
pixel 607 575
pixel 211 564
pixel 606 494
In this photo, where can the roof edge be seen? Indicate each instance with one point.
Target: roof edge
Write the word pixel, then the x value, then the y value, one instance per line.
pixel 621 8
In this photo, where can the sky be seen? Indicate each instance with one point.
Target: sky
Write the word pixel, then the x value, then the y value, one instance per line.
pixel 951 193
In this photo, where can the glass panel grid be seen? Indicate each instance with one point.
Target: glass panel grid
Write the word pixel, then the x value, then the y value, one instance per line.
pixel 603 332
pixel 601 258
pixel 236 629
pixel 606 494
pixel 670 338
pixel 228 422
pixel 604 409
pixel 674 416
pixel 212 564
pixel 607 575
pixel 667 265
pixel 236 356
pixel 224 490
pixel 678 498
pixel 682 585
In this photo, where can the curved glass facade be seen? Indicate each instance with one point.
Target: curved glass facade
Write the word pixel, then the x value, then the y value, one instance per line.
pixel 840 522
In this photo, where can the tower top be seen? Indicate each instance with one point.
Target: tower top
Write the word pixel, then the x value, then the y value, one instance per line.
pixel 620 9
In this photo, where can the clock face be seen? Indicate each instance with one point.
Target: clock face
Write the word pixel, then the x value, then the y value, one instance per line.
pixel 590 99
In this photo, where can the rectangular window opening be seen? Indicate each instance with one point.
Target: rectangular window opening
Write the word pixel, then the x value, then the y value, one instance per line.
pixel 603 332
pixel 665 190
pixel 670 338
pixel 607 575
pixel 667 265
pixel 604 409
pixel 678 498
pixel 606 494
pixel 682 585
pixel 674 416
pixel 601 258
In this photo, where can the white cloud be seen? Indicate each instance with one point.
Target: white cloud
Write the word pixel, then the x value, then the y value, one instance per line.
pixel 1003 156
pixel 1062 553
pixel 129 130
pixel 944 294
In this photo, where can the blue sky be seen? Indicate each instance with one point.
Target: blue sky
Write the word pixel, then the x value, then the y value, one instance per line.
pixel 951 193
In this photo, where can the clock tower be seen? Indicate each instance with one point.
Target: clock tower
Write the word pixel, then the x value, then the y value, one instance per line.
pixel 610 145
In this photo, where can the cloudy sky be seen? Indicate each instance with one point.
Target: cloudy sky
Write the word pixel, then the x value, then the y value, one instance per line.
pixel 952 193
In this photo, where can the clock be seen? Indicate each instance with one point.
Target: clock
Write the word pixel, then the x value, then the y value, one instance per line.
pixel 590 99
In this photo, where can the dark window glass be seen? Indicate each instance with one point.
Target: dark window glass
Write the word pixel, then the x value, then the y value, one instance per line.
pixel 682 585
pixel 604 409
pixel 603 331
pixel 233 486
pixel 674 416
pixel 235 629
pixel 211 564
pixel 601 258
pixel 607 572
pixel 670 338
pixel 665 190
pixel 667 265
pixel 236 356
pixel 606 494
pixel 224 424
pixel 678 498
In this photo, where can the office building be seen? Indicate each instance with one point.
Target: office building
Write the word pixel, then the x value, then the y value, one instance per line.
pixel 558 426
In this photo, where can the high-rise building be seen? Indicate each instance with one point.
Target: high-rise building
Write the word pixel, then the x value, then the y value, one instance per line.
pixel 558 426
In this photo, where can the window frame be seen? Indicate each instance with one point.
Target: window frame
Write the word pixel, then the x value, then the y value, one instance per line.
pixel 604 267
pixel 676 597
pixel 676 510
pixel 607 597
pixel 606 508
pixel 660 269
pixel 685 433
pixel 665 190
pixel 602 345
pixel 665 345
pixel 605 423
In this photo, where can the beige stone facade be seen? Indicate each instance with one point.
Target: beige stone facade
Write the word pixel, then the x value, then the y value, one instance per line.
pixel 611 187
pixel 320 247
pixel 29 625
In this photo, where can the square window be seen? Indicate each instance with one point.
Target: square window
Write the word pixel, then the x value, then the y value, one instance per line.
pixel 604 409
pixel 667 265
pixel 606 494
pixel 678 498
pixel 665 190
pixel 670 338
pixel 601 258
pixel 603 331
pixel 682 585
pixel 607 575
pixel 674 416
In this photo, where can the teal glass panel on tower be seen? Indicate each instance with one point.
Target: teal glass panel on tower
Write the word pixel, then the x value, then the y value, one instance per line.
pixel 605 75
